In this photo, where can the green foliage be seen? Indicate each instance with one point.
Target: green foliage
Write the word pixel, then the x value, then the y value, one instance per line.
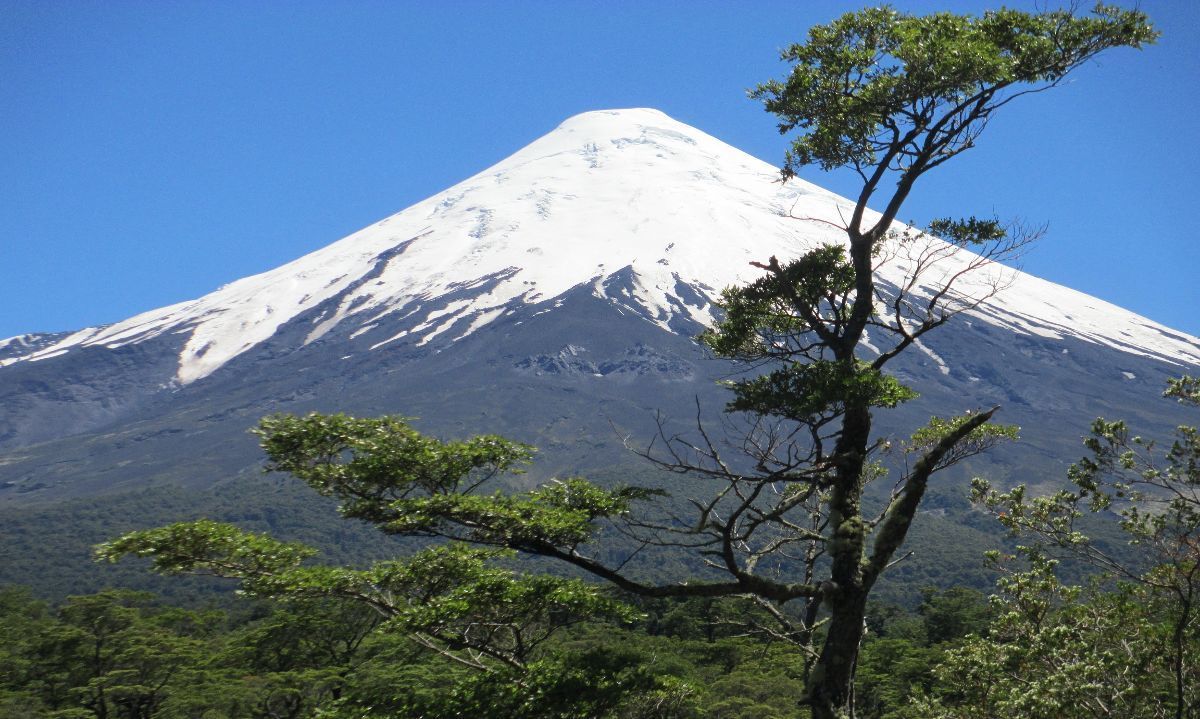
pixel 591 683
pixel 901 649
pixel 1055 647
pixel 975 441
pixel 387 473
pixel 328 659
pixel 370 462
pixel 968 231
pixel 50 547
pixel 1055 651
pixel 121 655
pixel 801 392
pixel 207 547
pixel 23 621
pixel 1185 389
pixel 450 594
pixel 938 429
pixel 770 316
pixel 877 87
pixel 561 513
pixel 953 614
pixel 112 654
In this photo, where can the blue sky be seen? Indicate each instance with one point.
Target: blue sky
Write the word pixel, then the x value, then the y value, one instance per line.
pixel 151 152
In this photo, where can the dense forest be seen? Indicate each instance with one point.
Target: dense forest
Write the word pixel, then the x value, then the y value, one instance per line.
pixel 125 654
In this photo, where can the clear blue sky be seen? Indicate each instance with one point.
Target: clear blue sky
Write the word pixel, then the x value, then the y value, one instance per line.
pixel 151 152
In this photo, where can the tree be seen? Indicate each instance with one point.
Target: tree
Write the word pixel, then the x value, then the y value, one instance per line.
pixel 889 95
pixel 111 655
pixel 1148 631
pixel 1053 652
pixel 23 620
pixel 902 648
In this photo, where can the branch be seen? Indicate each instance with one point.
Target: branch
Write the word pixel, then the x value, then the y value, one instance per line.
pixel 899 518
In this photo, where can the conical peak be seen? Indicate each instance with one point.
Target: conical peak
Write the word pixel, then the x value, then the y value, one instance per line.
pixel 619 115
pixel 616 121
pixel 642 134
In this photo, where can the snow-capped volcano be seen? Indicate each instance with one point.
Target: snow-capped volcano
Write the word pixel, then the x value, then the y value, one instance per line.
pixel 543 298
pixel 632 194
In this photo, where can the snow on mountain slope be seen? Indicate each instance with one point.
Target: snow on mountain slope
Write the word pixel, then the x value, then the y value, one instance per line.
pixel 604 191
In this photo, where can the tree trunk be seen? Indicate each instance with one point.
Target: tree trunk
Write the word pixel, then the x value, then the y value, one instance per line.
pixel 831 683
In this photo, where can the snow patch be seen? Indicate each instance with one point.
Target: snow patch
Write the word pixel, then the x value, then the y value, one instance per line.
pixel 937 360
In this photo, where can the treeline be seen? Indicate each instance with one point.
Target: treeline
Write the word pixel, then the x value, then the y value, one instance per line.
pixel 1034 649
pixel 49 548
pixel 127 655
